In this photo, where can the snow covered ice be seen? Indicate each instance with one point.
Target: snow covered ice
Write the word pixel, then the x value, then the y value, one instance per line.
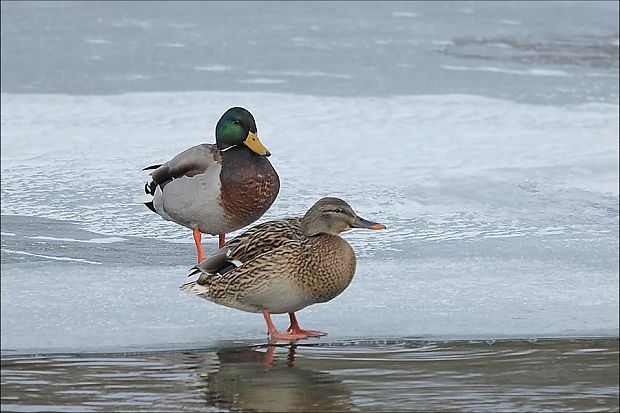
pixel 502 217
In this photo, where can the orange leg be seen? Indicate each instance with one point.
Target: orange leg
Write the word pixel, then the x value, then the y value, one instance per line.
pixel 222 239
pixel 295 329
pixel 268 357
pixel 197 239
pixel 275 334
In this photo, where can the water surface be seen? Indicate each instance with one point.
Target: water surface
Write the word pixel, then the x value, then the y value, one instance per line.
pixel 361 375
pixel 543 52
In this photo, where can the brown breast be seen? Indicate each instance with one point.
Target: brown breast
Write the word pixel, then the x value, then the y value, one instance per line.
pixel 249 186
pixel 328 264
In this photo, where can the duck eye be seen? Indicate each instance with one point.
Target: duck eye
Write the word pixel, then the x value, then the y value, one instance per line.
pixel 339 210
pixel 236 122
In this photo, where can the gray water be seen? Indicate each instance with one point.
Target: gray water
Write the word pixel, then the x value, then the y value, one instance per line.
pixel 484 135
pixel 551 52
pixel 567 375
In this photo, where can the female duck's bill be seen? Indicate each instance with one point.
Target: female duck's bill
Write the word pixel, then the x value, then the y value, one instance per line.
pixel 364 223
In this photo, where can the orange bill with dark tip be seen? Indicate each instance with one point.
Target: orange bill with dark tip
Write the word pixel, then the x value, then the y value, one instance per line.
pixel 377 226
pixel 364 223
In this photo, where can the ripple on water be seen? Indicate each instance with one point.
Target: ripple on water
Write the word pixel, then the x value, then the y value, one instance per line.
pixel 343 376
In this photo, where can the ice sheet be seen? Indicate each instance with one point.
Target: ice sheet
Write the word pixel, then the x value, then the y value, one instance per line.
pixel 502 217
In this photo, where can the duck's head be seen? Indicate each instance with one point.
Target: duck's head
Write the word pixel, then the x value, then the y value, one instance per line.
pixel 332 216
pixel 237 127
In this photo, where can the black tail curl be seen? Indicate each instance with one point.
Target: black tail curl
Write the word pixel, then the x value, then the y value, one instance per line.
pixel 194 270
pixel 149 188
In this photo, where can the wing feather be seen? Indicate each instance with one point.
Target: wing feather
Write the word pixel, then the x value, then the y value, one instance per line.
pixel 190 162
pixel 255 242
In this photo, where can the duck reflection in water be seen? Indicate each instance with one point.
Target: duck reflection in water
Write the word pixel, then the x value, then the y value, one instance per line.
pixel 270 380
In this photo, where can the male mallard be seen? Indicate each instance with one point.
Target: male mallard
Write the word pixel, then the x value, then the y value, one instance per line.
pixel 218 188
pixel 283 266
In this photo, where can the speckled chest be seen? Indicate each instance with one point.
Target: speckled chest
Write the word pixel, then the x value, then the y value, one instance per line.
pixel 250 185
pixel 328 265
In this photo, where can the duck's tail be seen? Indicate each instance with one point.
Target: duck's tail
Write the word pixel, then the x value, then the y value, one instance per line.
pixel 195 289
pixel 146 199
pixel 189 287
pixel 196 269
pixel 149 191
pixel 143 199
pixel 201 285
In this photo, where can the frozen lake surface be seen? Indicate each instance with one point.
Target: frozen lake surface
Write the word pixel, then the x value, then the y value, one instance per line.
pixel 502 217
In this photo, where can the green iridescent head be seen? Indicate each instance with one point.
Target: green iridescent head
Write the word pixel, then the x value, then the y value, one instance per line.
pixel 237 127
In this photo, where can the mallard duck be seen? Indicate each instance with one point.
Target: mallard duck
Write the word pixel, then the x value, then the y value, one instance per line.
pixel 216 189
pixel 283 266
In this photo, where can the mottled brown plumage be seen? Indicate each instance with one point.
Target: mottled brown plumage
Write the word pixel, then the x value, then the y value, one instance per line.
pixel 285 265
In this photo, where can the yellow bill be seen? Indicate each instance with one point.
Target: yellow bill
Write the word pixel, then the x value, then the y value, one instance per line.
pixel 255 145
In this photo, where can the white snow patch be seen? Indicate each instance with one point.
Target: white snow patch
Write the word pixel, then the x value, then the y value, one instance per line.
pixel 212 68
pixel 49 257
pixel 598 74
pixel 263 81
pixel 106 240
pixel 509 22
pixel 294 73
pixel 443 42
pixel 97 41
pixel 528 72
pixel 404 14
pixel 172 45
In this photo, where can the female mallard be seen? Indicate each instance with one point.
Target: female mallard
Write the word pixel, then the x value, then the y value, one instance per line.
pixel 283 266
pixel 215 189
